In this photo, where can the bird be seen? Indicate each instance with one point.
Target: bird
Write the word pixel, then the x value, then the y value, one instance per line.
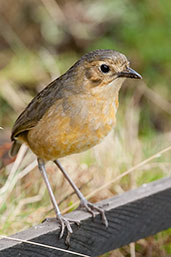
pixel 73 113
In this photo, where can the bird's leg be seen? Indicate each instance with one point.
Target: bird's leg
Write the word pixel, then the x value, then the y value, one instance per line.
pixel 65 223
pixel 91 208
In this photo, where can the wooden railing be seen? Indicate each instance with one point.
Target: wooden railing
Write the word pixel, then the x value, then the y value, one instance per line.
pixel 132 216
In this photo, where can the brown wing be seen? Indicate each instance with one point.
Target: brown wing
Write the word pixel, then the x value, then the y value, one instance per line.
pixel 37 107
pixel 43 100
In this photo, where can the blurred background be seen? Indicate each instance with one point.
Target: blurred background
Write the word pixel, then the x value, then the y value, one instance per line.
pixel 41 39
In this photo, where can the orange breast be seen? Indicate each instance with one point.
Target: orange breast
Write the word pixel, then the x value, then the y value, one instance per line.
pixel 63 131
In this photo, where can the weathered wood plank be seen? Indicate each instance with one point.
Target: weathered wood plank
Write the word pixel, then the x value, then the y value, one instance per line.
pixel 132 215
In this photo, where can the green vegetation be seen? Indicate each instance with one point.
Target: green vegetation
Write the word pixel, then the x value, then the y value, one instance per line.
pixel 39 40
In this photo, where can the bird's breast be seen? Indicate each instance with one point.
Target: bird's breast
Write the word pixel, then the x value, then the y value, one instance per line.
pixel 72 127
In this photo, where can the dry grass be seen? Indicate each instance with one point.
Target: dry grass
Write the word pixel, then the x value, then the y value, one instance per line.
pixel 113 167
pixel 127 157
pixel 123 161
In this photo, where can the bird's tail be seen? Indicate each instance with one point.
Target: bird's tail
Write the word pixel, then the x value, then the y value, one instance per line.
pixel 15 148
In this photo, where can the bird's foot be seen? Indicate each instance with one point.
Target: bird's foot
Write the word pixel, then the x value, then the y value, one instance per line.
pixel 92 208
pixel 65 225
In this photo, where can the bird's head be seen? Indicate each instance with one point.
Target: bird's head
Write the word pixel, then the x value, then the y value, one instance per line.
pixel 104 69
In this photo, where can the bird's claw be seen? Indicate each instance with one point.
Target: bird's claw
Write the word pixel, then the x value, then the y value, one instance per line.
pixel 91 208
pixel 66 224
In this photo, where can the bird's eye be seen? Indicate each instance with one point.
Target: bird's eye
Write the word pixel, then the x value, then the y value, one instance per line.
pixel 104 68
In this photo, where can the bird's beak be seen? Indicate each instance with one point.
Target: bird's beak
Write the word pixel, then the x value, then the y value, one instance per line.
pixel 129 73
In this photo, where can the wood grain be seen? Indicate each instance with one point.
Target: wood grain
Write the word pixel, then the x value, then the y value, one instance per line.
pixel 132 216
